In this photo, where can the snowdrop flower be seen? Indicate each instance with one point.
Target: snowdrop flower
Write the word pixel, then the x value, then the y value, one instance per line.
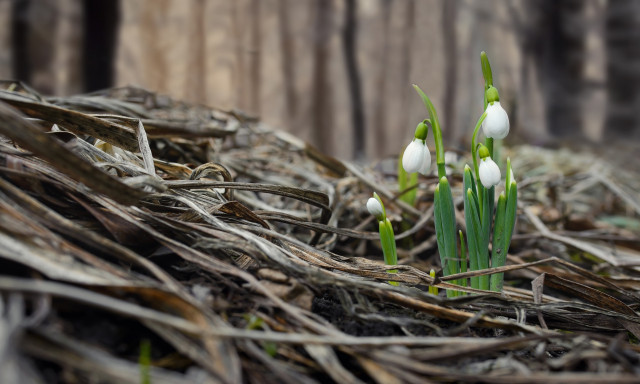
pixel 496 124
pixel 416 157
pixel 488 169
pixel 375 208
pixel 489 172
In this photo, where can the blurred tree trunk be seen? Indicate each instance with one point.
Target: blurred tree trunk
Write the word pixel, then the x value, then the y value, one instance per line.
pixel 196 80
pixel 287 61
pixel 99 44
pixel 6 55
pixel 155 61
pixel 21 62
pixel 379 123
pixel 69 67
pixel 556 39
pixel 321 88
pixel 34 23
pixel 239 70
pixel 256 56
pixel 350 49
pixel 449 11
pixel 407 46
pixel 623 67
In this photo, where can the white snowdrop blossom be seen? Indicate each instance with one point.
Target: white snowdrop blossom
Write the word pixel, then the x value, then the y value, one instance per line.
pixel 496 124
pixel 375 208
pixel 416 157
pixel 489 172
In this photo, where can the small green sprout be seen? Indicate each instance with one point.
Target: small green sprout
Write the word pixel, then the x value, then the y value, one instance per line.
pixel 387 237
pixel 144 361
pixel 432 288
pixel 253 323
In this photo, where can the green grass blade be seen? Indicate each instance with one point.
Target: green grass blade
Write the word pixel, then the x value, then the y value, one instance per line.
pixel 447 213
pixel 388 242
pixel 440 237
pixel 463 258
pixel 470 182
pixel 510 214
pixel 485 216
pixel 499 254
pixel 508 178
pixel 437 132
pixel 437 219
pixel 482 249
pixel 472 237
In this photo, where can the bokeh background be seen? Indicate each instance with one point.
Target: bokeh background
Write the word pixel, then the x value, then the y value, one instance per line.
pixel 338 73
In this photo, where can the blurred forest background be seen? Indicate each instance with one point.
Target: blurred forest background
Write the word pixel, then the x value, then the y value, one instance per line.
pixel 338 73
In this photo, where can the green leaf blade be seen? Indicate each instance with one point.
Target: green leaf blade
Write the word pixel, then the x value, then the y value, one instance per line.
pixel 499 254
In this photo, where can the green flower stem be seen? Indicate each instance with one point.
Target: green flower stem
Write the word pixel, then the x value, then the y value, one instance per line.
pixel 474 146
pixel 437 132
pixel 488 142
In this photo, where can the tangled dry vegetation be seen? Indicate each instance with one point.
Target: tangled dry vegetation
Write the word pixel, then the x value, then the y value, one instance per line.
pixel 243 255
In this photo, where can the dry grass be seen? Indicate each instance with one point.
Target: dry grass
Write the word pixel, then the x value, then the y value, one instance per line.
pixel 244 255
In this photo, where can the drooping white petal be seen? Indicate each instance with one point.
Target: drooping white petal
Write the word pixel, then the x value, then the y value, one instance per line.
pixel 374 207
pixel 414 156
pixel 426 162
pixel 489 172
pixel 496 124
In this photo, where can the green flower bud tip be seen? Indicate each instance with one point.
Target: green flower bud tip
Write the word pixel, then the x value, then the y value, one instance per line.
pixel 422 130
pixel 492 95
pixel 496 124
pixel 483 151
